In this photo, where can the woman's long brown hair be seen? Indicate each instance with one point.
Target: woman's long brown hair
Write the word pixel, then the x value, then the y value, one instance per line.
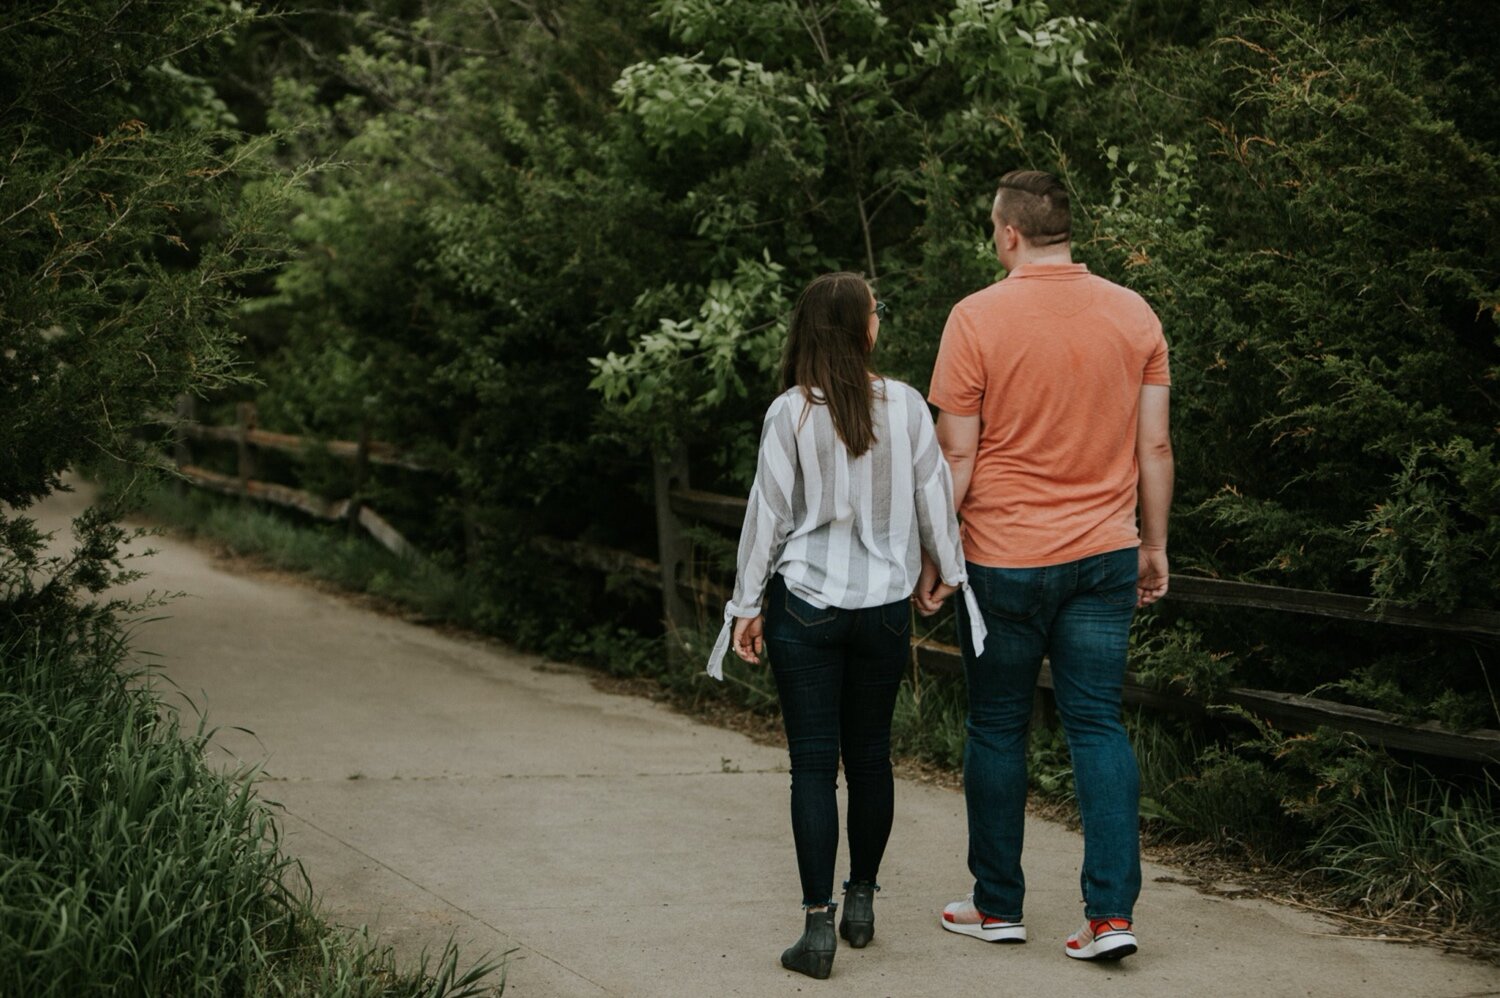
pixel 828 348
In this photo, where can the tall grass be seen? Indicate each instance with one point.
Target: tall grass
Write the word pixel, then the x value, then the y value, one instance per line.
pixel 1194 789
pixel 928 723
pixel 1418 845
pixel 128 867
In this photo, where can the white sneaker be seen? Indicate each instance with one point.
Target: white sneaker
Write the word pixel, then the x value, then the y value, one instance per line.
pixel 1102 939
pixel 965 919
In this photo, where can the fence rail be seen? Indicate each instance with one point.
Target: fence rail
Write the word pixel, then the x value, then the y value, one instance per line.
pixel 677 502
pixel 247 438
pixel 1287 711
pixel 378 452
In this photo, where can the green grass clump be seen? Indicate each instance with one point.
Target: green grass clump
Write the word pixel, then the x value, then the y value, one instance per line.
pixel 928 723
pixel 1416 845
pixel 128 867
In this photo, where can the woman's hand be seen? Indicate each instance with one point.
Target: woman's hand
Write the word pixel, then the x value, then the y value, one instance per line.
pixel 749 638
pixel 931 591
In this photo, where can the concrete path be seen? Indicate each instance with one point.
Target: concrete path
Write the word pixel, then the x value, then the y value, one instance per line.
pixel 436 785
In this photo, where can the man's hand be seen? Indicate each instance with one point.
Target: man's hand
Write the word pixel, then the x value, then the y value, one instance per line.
pixel 1152 582
pixel 940 596
pixel 749 638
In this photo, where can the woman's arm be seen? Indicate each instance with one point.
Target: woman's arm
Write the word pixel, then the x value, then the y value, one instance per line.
pixel 937 523
pixel 768 522
pixel 958 436
pixel 768 515
pixel 945 571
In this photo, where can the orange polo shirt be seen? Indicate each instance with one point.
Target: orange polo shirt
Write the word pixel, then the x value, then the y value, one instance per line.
pixel 1052 359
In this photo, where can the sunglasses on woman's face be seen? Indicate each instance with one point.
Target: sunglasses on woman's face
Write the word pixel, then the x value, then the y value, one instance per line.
pixel 880 310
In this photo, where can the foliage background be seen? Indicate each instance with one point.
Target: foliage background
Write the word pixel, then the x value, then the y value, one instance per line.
pixel 563 234
pixel 549 236
pixel 560 235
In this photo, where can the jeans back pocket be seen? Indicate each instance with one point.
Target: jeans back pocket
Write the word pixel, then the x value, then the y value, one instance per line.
pixel 1117 577
pixel 1012 593
pixel 804 612
pixel 896 618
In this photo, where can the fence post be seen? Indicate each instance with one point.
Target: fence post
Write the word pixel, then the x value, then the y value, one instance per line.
pixel 182 454
pixel 245 419
pixel 673 549
pixel 361 469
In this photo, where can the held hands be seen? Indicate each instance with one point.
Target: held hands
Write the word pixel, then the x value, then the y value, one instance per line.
pixel 749 638
pixel 932 591
pixel 1152 582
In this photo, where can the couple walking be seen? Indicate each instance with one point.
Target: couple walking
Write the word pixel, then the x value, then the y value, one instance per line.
pixel 1053 430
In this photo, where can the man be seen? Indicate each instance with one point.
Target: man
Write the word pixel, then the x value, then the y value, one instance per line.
pixel 1053 391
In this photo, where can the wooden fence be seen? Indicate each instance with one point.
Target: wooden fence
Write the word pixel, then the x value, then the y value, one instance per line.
pixel 248 438
pixel 684 596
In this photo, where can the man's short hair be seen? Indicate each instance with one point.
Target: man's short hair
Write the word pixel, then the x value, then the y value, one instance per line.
pixel 1036 203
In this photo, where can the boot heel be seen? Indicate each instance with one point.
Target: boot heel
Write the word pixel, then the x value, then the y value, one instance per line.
pixel 858 923
pixel 813 953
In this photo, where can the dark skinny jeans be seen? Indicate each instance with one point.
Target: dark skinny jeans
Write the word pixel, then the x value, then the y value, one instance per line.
pixel 837 672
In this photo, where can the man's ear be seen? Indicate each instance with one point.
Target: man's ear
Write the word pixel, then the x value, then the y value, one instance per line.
pixel 1011 236
pixel 998 229
pixel 1006 237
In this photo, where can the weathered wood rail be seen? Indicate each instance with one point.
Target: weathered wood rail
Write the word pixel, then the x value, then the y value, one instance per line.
pixel 677 503
pixel 375 452
pixel 248 437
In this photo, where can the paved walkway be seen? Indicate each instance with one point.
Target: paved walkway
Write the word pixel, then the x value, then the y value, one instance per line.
pixel 436 785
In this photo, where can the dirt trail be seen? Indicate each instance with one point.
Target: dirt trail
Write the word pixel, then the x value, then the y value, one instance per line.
pixel 436 785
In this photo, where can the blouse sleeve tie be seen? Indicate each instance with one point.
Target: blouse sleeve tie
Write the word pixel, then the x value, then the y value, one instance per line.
pixel 721 645
pixel 977 631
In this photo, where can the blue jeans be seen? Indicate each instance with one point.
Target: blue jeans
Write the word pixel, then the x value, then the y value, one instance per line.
pixel 837 673
pixel 1078 615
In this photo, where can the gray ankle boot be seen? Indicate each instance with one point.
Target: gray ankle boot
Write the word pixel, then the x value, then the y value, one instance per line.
pixel 813 953
pixel 858 923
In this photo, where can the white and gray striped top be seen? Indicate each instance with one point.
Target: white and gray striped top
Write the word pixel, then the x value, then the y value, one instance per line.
pixel 846 531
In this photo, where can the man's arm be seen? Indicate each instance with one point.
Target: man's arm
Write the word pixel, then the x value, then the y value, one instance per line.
pixel 1153 455
pixel 958 438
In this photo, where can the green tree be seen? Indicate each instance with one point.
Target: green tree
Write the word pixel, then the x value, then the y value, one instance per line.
pixel 804 137
pixel 456 271
pixel 1308 197
pixel 131 213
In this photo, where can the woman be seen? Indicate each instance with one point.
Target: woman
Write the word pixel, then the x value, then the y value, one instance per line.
pixel 849 491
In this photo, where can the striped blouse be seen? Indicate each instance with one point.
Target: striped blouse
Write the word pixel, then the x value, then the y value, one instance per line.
pixel 844 531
